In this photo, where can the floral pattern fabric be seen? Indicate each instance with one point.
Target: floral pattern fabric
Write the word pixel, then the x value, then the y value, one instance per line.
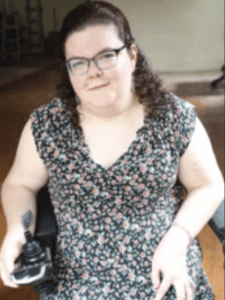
pixel 111 221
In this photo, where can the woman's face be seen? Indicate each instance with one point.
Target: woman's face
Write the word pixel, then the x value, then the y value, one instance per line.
pixel 117 95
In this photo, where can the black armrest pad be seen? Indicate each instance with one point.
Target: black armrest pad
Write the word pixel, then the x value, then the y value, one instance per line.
pixel 46 225
pixel 217 222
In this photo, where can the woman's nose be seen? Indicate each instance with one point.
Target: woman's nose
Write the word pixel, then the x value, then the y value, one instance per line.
pixel 94 69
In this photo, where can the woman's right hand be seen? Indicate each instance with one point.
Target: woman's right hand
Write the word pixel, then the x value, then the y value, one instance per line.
pixel 10 250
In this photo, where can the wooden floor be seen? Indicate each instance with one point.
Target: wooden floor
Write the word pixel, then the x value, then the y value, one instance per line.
pixel 18 100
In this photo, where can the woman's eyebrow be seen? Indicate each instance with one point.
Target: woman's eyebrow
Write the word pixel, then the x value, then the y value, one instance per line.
pixel 80 57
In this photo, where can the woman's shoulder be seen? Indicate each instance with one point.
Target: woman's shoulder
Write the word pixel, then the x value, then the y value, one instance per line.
pixel 177 109
pixel 53 106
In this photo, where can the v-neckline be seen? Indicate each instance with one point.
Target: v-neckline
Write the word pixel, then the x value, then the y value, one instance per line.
pixel 118 160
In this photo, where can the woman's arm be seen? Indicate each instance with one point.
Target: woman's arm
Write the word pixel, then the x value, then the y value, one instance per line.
pixel 201 176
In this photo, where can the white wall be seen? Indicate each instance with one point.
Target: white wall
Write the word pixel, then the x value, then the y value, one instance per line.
pixel 176 35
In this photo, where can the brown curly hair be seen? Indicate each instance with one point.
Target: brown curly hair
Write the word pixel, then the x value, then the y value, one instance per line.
pixel 147 85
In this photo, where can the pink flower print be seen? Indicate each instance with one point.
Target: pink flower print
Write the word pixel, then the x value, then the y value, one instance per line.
pixel 119 178
pixel 142 254
pixel 106 289
pixel 143 168
pixel 154 217
pixel 136 242
pixel 56 153
pixel 126 298
pixel 90 209
pixel 148 235
pixel 108 254
pixel 80 229
pixel 91 293
pixel 112 272
pixel 89 184
pixel 76 186
pixel 142 294
pixel 107 227
pixel 94 216
pixel 127 188
pixel 143 223
pixel 122 249
pixel 101 240
pixel 130 256
pixel 76 297
pixel 164 176
pixel 124 162
pixel 118 237
pixel 119 216
pixel 131 276
pixel 118 201
pixel 71 166
pixel 60 287
pixel 132 182
pixel 126 224
pixel 107 220
pixel 145 194
pixel 126 240
pixel 69 176
pixel 133 292
pixel 77 253
pixel 85 275
pixel 82 290
pixel 124 288
pixel 95 259
pixel 148 151
pixel 96 204
pixel 63 245
pixel 134 263
pixel 124 268
pixel 116 264
pixel 92 233
pixel 104 263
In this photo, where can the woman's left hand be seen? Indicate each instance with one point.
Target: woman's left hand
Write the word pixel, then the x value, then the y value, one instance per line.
pixel 170 260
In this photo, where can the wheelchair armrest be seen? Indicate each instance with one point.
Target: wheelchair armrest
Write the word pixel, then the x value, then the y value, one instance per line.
pixel 217 222
pixel 46 225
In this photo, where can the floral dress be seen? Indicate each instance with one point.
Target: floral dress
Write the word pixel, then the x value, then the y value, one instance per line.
pixel 110 221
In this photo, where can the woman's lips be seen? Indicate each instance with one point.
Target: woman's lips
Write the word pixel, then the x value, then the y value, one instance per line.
pixel 99 87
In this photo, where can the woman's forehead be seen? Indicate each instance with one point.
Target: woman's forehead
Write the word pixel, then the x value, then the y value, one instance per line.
pixel 92 40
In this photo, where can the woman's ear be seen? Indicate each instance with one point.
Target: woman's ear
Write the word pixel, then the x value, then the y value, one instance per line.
pixel 133 55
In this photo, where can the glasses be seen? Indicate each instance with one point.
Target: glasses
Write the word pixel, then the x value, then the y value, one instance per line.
pixel 104 61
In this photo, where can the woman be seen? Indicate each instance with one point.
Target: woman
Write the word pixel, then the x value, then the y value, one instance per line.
pixel 118 152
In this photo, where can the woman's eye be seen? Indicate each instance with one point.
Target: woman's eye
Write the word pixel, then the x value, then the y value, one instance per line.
pixel 77 64
pixel 107 56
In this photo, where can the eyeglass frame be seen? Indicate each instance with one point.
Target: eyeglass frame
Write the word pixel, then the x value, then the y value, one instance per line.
pixel 93 59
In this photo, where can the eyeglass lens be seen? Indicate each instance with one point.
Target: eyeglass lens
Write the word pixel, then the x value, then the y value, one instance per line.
pixel 104 61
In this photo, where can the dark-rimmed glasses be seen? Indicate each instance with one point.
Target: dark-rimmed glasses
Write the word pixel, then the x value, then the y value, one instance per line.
pixel 104 61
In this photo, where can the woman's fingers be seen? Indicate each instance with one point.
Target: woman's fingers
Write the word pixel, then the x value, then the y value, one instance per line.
pixel 5 275
pixel 155 275
pixel 164 287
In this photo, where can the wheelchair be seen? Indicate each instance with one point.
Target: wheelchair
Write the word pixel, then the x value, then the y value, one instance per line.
pixel 46 225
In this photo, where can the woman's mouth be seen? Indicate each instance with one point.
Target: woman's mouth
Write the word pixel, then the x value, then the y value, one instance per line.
pixel 99 87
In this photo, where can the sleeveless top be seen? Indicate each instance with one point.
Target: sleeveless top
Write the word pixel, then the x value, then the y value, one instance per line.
pixel 110 221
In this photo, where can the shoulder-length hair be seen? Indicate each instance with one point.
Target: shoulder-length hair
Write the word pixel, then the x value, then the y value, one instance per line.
pixel 147 85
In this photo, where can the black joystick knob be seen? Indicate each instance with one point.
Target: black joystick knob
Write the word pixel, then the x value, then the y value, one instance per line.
pixel 33 251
